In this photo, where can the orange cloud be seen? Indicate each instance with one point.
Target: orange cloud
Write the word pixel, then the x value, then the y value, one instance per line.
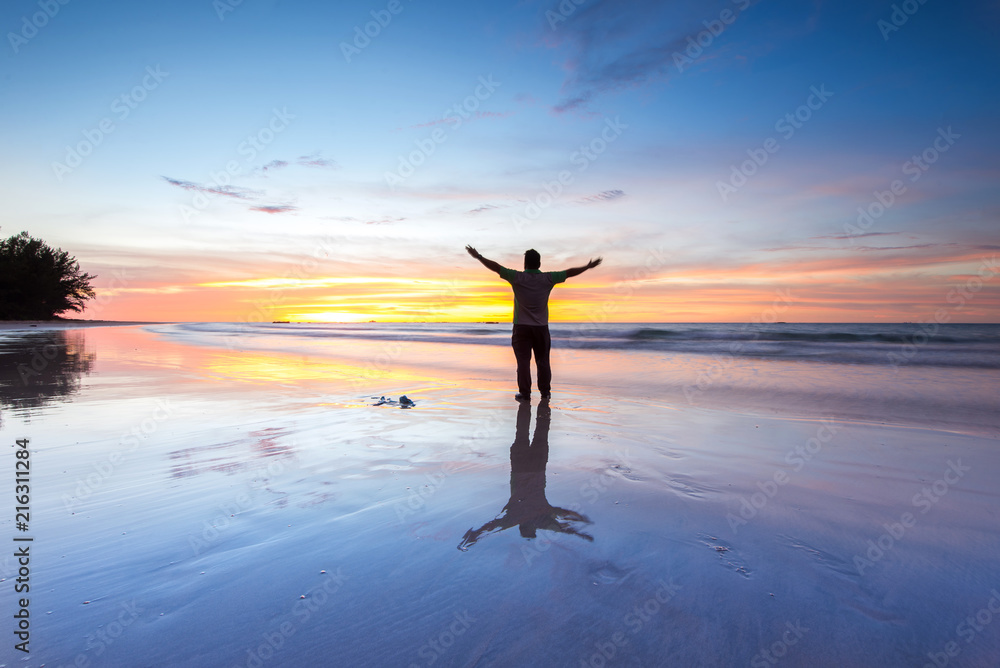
pixel 833 285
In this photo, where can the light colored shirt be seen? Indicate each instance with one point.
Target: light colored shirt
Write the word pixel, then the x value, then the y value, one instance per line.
pixel 531 294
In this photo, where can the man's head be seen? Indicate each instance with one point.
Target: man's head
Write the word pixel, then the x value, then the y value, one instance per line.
pixel 532 259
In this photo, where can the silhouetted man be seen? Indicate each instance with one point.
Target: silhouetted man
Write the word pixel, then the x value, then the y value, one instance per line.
pixel 531 315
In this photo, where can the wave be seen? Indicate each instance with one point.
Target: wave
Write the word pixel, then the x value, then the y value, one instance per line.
pixel 889 344
pixel 746 334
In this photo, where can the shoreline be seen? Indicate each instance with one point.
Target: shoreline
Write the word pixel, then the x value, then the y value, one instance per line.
pixel 13 325
pixel 910 396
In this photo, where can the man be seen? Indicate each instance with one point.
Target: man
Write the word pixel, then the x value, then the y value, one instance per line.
pixel 531 316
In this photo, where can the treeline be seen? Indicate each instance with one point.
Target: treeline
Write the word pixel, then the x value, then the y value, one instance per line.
pixel 38 282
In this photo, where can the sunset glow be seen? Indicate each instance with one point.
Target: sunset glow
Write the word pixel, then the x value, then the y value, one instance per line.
pixel 802 154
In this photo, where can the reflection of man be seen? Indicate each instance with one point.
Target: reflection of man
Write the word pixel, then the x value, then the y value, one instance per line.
pixel 528 506
pixel 531 315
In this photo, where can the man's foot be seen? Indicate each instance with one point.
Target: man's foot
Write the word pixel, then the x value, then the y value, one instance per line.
pixel 522 397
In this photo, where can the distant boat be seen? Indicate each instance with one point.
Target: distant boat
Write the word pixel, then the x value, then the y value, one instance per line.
pixel 279 322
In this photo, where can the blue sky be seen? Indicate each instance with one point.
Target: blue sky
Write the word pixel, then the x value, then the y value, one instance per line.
pixel 675 123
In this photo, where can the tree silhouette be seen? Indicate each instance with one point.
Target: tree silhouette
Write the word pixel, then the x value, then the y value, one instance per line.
pixel 38 282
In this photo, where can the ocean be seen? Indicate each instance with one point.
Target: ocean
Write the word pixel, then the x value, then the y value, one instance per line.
pixel 894 344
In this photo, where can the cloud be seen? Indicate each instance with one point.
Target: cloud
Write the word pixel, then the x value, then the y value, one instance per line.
pixel 213 189
pixel 605 196
pixel 611 47
pixel 781 249
pixel 449 120
pixel 573 103
pixel 895 248
pixel 845 260
pixel 275 208
pixel 616 45
pixel 857 248
pixel 315 160
pixel 484 207
pixel 494 114
pixel 274 164
pixel 455 120
pixel 841 237
pixel 384 221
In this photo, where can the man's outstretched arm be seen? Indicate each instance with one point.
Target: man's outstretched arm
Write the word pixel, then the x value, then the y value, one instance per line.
pixel 576 271
pixel 489 264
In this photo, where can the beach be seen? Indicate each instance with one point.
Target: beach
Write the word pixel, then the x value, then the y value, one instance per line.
pixel 213 494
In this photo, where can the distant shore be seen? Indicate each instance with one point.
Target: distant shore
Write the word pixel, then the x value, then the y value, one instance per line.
pixel 68 324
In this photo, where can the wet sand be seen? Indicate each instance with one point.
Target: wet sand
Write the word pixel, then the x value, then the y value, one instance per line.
pixel 208 506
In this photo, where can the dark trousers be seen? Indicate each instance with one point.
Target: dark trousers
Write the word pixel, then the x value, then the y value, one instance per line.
pixel 528 339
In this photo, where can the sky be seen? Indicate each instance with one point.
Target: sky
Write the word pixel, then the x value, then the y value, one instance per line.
pixel 729 159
